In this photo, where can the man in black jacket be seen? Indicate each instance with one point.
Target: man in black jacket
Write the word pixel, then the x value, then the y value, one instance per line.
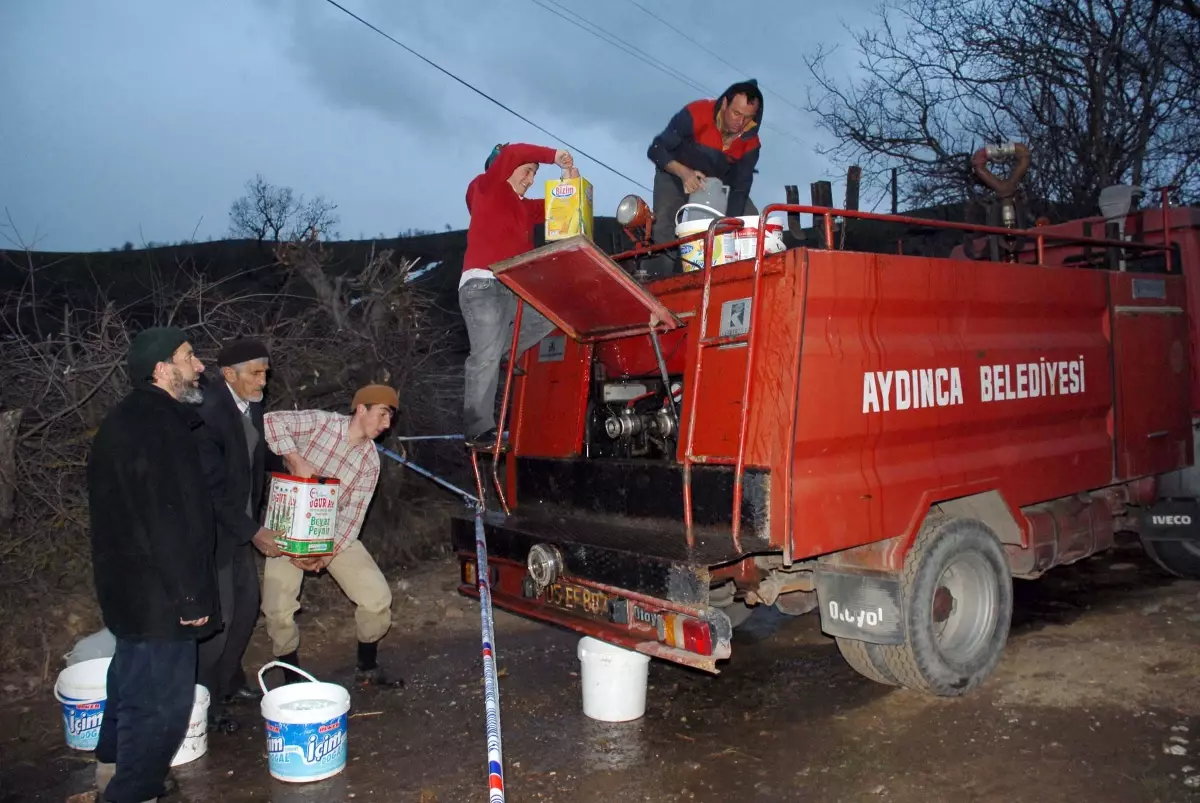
pixel 153 537
pixel 232 450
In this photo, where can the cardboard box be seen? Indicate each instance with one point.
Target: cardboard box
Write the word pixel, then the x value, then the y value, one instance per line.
pixel 305 510
pixel 568 208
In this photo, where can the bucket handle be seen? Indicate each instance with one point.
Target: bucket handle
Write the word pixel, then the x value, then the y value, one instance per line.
pixel 274 664
pixel 696 206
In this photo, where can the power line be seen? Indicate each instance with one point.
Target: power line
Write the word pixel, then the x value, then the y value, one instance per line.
pixel 485 95
pixel 616 41
pixel 712 53
pixel 580 22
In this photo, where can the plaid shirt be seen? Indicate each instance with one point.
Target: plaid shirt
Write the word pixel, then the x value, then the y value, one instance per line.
pixel 323 439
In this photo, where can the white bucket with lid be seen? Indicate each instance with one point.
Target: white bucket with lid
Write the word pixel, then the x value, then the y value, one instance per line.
pixel 82 689
pixel 306 727
pixel 613 679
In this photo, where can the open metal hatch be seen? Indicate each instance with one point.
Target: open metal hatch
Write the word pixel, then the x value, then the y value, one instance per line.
pixel 584 292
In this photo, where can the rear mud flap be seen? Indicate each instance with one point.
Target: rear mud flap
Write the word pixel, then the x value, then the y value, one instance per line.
pixel 1171 520
pixel 865 606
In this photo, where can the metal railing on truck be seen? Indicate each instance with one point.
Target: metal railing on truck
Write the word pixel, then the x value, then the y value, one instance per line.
pixel 725 224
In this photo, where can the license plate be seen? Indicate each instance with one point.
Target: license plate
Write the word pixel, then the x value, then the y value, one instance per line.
pixel 577 599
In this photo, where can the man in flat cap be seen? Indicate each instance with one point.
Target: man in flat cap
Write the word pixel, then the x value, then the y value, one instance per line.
pixel 315 443
pixel 232 452
pixel 153 537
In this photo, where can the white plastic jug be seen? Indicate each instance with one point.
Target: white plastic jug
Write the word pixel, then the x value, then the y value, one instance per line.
pixel 714 194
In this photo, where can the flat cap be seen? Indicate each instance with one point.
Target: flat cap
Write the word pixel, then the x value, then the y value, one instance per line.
pixel 376 394
pixel 242 350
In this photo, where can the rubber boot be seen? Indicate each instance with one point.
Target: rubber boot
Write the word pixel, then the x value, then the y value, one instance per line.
pixel 219 719
pixel 368 674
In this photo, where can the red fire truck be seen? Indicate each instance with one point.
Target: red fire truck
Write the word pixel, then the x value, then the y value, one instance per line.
pixel 886 439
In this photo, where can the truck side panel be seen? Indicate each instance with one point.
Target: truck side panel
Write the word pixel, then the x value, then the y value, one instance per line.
pixel 930 376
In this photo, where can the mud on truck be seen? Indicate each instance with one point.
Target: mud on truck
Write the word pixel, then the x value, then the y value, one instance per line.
pixel 886 439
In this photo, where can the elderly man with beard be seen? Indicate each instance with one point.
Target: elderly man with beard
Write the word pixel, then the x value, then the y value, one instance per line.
pixel 232 452
pixel 316 443
pixel 153 537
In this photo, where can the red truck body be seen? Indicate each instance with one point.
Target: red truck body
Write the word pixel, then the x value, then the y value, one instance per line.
pixel 895 408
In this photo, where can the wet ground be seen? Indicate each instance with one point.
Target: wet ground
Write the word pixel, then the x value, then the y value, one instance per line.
pixel 1098 699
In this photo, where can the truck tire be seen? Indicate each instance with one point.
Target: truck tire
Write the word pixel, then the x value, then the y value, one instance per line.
pixel 957 605
pixel 1180 558
pixel 867 660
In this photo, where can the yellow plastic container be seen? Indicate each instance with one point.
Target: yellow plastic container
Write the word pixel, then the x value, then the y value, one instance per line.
pixel 568 208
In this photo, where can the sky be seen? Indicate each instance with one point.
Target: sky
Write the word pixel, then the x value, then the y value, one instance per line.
pixel 143 120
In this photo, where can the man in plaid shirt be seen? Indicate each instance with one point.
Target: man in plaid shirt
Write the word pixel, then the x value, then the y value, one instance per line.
pixel 315 443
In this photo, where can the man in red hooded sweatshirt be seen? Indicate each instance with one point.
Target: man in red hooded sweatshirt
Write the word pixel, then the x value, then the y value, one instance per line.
pixel 502 225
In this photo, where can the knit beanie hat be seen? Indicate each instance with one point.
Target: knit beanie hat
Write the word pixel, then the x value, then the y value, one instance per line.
pixel 149 348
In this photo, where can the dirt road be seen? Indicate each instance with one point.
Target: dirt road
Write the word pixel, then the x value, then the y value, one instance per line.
pixel 1098 699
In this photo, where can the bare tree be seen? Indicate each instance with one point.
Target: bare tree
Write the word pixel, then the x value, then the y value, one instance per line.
pixel 269 212
pixel 1102 91
pixel 330 329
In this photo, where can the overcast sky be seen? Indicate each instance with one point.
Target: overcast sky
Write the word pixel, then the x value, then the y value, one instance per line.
pixel 142 120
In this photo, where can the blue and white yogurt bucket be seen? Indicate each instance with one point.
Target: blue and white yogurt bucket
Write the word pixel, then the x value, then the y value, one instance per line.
pixel 305 727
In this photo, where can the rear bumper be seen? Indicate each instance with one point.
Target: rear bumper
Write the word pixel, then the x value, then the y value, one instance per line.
pixel 637 601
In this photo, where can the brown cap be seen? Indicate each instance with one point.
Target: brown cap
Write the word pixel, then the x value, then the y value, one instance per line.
pixel 376 394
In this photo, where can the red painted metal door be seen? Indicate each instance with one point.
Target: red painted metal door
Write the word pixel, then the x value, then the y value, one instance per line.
pixel 1152 377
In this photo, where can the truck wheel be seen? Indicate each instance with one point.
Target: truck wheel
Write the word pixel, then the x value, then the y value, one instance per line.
pixel 867 660
pixel 1180 558
pixel 957 603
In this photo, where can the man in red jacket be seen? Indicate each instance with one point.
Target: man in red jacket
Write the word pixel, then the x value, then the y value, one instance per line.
pixel 502 224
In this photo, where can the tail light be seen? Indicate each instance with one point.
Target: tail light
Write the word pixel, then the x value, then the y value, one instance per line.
pixel 470 576
pixel 685 633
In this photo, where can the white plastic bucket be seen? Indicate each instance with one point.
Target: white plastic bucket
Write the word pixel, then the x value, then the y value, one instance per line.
pixel 692 253
pixel 746 238
pixel 732 246
pixel 195 741
pixel 306 727
pixel 82 689
pixel 614 681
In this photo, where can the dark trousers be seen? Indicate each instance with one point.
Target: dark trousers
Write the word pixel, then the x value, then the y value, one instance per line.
pixel 151 688
pixel 220 657
pixel 669 197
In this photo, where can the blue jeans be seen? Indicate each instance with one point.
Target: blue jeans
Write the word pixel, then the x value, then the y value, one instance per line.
pixel 151 688
pixel 488 308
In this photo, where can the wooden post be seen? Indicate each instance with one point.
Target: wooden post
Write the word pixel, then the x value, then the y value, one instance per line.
pixel 10 422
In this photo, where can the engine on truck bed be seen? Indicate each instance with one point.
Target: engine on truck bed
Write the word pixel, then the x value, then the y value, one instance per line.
pixel 630 418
